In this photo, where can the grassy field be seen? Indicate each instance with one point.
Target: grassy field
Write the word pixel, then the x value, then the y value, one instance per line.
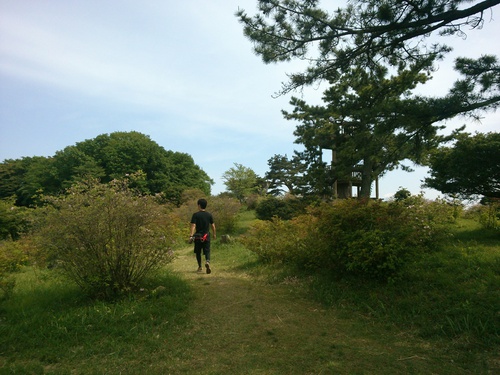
pixel 247 318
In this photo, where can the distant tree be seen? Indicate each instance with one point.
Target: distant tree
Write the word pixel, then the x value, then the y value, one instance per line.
pixel 402 194
pixel 241 181
pixel 284 173
pixel 72 165
pixel 272 207
pixel 123 153
pixel 469 169
pixel 26 179
pixel 106 157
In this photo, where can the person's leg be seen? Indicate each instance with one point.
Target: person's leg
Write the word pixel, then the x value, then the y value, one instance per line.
pixel 206 252
pixel 197 251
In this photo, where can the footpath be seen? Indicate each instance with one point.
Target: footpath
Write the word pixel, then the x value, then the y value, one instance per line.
pixel 241 325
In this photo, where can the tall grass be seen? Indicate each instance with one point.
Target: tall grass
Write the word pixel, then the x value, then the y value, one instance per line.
pixel 451 294
pixel 48 321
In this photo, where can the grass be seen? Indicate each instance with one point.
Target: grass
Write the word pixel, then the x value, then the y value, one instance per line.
pixel 248 318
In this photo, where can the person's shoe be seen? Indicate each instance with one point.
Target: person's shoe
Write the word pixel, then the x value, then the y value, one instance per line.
pixel 200 269
pixel 207 266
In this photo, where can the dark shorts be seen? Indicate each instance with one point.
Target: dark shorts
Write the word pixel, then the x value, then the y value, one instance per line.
pixel 199 246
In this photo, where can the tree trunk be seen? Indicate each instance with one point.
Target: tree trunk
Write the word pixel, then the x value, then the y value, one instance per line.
pixel 366 180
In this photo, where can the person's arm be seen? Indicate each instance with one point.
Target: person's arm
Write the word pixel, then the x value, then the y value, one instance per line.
pixel 213 231
pixel 193 229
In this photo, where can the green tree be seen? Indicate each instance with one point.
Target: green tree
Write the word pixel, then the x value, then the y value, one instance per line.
pixel 169 172
pixel 364 32
pixel 284 173
pixel 469 169
pixel 108 156
pixel 371 122
pixel 241 181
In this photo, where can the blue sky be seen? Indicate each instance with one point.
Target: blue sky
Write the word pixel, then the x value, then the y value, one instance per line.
pixel 180 72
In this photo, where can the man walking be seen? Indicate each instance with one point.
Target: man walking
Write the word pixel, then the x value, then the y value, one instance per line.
pixel 201 222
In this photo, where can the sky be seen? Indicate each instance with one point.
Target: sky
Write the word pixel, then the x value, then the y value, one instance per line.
pixel 180 72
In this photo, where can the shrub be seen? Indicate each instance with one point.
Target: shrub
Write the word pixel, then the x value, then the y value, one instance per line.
pixel 489 214
pixel 368 238
pixel 14 221
pixel 272 240
pixel 273 207
pixel 224 209
pixel 12 257
pixel 106 238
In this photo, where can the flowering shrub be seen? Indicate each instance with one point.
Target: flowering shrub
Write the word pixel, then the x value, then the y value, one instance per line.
pixel 106 238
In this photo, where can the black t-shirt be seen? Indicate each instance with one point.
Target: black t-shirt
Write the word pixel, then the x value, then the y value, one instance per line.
pixel 202 219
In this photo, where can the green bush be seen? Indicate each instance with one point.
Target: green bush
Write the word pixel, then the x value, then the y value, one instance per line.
pixel 13 256
pixel 273 207
pixel 368 238
pixel 489 214
pixel 224 209
pixel 106 238
pixel 14 220
pixel 272 240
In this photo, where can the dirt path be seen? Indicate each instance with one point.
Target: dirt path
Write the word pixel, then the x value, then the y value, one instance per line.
pixel 243 326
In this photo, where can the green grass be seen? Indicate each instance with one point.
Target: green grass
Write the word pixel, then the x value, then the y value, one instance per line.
pixel 248 318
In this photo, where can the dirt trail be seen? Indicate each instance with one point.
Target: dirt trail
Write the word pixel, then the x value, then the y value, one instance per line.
pixel 240 324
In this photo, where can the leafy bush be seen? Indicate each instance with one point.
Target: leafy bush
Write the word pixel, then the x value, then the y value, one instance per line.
pixel 106 238
pixel 489 215
pixel 272 240
pixel 14 220
pixel 273 207
pixel 224 210
pixel 368 238
pixel 12 257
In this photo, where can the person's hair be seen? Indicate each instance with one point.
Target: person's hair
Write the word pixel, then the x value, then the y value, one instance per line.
pixel 202 203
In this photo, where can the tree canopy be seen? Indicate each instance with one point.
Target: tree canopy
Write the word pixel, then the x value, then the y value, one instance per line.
pixel 241 181
pixel 364 32
pixel 469 169
pixel 106 157
pixel 373 54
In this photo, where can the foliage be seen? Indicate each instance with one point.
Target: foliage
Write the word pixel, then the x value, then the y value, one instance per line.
pixel 452 293
pixel 241 181
pixel 366 238
pixel 14 220
pixel 106 238
pixel 469 169
pixel 402 194
pixel 13 256
pixel 372 122
pixel 274 240
pixel 274 207
pixel 224 210
pixel 106 157
pixel 284 172
pixel 490 214
pixel 363 33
